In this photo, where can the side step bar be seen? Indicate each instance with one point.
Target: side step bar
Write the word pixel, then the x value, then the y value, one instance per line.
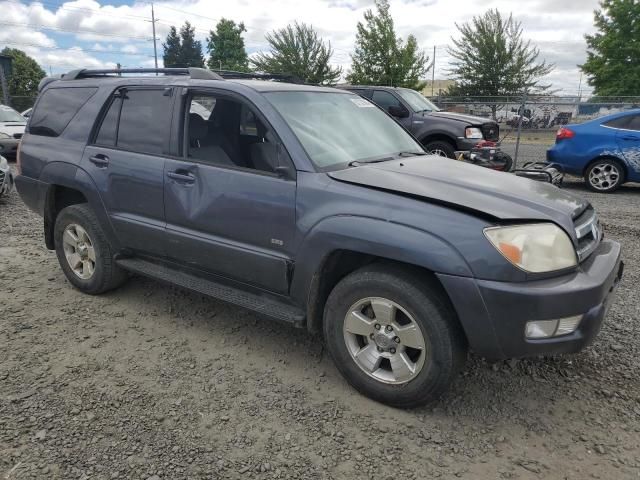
pixel 260 304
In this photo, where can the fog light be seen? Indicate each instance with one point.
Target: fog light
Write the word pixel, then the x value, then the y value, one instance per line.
pixel 552 328
pixel 568 325
pixel 541 328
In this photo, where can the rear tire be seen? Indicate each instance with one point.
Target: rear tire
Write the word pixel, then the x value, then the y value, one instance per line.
pixel 410 372
pixel 83 251
pixel 441 148
pixel 604 175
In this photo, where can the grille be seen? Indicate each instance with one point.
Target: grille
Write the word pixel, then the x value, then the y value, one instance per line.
pixel 491 131
pixel 17 136
pixel 588 231
pixel 1 178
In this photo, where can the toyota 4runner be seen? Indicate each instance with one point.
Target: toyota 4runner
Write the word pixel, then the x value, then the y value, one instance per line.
pixel 312 206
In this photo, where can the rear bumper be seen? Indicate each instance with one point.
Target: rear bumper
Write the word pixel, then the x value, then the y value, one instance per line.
pixel 494 314
pixel 33 192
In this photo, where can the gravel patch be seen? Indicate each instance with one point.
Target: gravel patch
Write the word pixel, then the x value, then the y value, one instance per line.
pixel 152 382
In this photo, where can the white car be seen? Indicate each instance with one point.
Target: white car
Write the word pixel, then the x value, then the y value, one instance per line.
pixel 6 177
pixel 12 126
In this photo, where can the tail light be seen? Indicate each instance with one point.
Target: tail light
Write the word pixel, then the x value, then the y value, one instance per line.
pixel 18 161
pixel 565 133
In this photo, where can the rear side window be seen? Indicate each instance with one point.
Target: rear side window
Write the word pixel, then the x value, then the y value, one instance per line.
pixel 634 123
pixel 56 108
pixel 620 122
pixel 137 120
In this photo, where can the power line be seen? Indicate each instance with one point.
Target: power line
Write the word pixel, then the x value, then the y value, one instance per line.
pixel 88 50
pixel 86 32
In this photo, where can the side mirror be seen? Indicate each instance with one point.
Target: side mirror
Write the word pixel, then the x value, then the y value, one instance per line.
pixel 398 111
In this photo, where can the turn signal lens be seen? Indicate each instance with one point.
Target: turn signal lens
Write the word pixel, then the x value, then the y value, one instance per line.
pixel 513 253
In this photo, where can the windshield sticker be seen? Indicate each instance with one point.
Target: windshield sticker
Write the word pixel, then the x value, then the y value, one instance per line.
pixel 361 102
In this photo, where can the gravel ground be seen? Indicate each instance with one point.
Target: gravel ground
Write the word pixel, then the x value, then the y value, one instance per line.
pixel 153 382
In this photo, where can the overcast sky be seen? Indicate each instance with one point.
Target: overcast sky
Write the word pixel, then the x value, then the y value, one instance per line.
pixel 87 33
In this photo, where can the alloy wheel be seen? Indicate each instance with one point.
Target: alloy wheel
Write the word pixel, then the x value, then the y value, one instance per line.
pixel 384 340
pixel 79 251
pixel 604 176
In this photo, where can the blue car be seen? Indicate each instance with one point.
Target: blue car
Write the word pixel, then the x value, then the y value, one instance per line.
pixel 605 151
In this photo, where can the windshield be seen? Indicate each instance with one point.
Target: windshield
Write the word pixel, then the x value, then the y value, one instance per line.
pixel 8 114
pixel 417 101
pixel 336 129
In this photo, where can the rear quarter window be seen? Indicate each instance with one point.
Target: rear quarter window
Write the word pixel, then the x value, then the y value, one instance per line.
pixel 620 122
pixel 56 108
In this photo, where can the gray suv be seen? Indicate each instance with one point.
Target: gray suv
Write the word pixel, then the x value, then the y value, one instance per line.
pixel 312 206
pixel 441 133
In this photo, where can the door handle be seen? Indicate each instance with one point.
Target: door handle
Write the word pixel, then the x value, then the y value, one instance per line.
pixel 99 160
pixel 631 137
pixel 181 177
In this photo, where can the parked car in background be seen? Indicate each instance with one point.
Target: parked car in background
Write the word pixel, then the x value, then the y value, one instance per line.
pixel 604 151
pixel 6 177
pixel 12 126
pixel 310 205
pixel 441 133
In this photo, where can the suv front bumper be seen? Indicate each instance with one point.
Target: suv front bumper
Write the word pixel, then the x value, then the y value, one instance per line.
pixel 494 314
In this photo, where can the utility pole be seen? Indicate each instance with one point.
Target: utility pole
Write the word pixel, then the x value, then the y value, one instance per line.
pixel 433 70
pixel 155 49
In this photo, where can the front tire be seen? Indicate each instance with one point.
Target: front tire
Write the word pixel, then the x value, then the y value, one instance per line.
pixel 441 148
pixel 84 252
pixel 605 175
pixel 394 335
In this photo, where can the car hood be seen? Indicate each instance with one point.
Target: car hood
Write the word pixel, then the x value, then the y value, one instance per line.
pixel 12 127
pixel 460 117
pixel 500 195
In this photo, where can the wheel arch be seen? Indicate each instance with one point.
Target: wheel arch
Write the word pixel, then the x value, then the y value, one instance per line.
pixel 610 156
pixel 438 136
pixel 70 185
pixel 341 245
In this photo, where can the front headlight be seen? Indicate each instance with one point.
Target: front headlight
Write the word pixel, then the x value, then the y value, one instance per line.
pixel 4 135
pixel 473 132
pixel 3 163
pixel 535 248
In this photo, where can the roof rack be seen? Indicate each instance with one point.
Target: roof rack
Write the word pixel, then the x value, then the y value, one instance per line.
pixel 281 77
pixel 195 73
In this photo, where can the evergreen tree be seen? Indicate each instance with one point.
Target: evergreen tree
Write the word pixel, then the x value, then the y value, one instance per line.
pixel 182 50
pixel 226 47
pixel 381 57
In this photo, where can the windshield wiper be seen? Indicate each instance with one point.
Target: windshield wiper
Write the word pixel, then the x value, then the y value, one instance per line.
pixel 355 163
pixel 410 154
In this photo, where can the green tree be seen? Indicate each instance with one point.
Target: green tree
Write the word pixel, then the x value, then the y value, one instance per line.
pixel 297 50
pixel 381 57
pixel 226 47
pixel 172 48
pixel 613 53
pixel 492 59
pixel 25 77
pixel 182 50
